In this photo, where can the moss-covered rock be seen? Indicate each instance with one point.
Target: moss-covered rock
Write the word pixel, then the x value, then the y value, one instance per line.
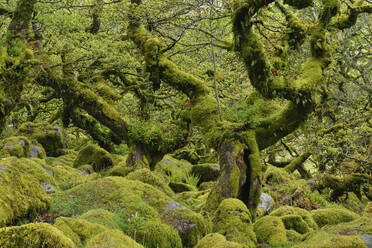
pixel 18 146
pixel 270 230
pixel 21 193
pixel 120 170
pixel 34 236
pixel 50 137
pixel 154 234
pixel 206 172
pixel 134 203
pixel 207 185
pixel 67 177
pixel 295 222
pixel 368 210
pixel 149 177
pixel 217 240
pixel 274 175
pixel 333 216
pixel 111 239
pixel 288 210
pixel 322 239
pixel 101 216
pixel 174 168
pixel 78 230
pixel 64 160
pixel 179 187
pixel 233 220
pixel 294 236
pixel 96 156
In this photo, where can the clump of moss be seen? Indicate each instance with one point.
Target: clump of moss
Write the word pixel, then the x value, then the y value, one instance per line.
pixel 50 137
pixel 174 168
pixel 179 187
pixel 296 223
pixel 305 215
pixel 34 236
pixel 149 177
pixel 120 170
pixel 270 230
pixel 217 240
pixel 368 210
pixel 154 234
pixel 274 175
pixel 322 239
pixel 64 160
pixel 78 230
pixel 112 238
pixel 67 177
pixel 134 203
pixel 21 194
pixel 102 217
pixel 333 216
pixel 96 156
pixel 299 4
pixel 18 146
pixel 233 220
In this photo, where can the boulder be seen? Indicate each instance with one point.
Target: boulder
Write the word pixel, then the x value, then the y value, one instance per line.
pixel 34 236
pixel 233 220
pixel 270 230
pixel 112 239
pixel 333 216
pixel 217 240
pixel 206 172
pixel 96 156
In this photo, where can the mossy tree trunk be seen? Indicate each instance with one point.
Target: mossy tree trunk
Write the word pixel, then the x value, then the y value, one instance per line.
pixel 15 58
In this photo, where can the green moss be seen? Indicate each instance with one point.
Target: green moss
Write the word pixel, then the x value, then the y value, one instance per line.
pixel 67 177
pixel 233 220
pixel 34 236
pixel 305 215
pixel 112 238
pixel 368 210
pixel 294 236
pixel 179 187
pixel 217 240
pixel 274 175
pixel 134 203
pixel 64 160
pixel 21 194
pixel 332 216
pixel 149 177
pixel 78 230
pixel 207 185
pixel 92 154
pixel 206 172
pixel 322 239
pixel 102 217
pixel 270 230
pixel 50 137
pixel 120 170
pixel 18 146
pixel 175 169
pixel 154 234
pixel 296 223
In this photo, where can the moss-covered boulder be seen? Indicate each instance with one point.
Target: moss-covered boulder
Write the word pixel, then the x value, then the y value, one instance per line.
pixel 78 230
pixel 152 178
pixel 120 170
pixel 50 137
pixel 34 236
pixel 18 146
pixel 295 222
pixel 179 187
pixel 112 239
pixel 67 177
pixel 206 172
pixel 333 216
pixel 353 234
pixel 322 239
pixel 101 216
pixel 96 156
pixel 64 160
pixel 135 203
pixel 307 222
pixel 368 210
pixel 274 175
pixel 233 220
pixel 217 240
pixel 207 185
pixel 21 193
pixel 154 234
pixel 270 230
pixel 174 168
